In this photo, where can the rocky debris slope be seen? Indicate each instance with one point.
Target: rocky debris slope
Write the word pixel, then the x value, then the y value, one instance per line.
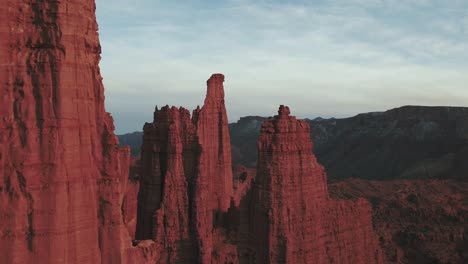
pixel 419 221
pixel 192 208
pixel 63 176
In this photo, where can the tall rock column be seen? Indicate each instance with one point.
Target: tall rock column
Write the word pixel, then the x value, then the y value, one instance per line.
pixel 293 220
pixel 62 174
pixel 215 169
pixel 213 188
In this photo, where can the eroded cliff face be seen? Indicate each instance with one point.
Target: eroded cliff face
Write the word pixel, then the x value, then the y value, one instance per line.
pixel 293 218
pixel 62 176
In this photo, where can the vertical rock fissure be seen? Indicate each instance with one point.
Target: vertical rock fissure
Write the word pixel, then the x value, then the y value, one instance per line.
pixel 30 208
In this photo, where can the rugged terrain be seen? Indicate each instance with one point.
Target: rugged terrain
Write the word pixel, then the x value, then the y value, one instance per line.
pixel 418 221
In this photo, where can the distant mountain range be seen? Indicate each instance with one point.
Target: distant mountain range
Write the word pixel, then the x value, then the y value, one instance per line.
pixel 411 142
pixel 133 140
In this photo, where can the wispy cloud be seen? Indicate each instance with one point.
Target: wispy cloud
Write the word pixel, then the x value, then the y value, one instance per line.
pixel 329 58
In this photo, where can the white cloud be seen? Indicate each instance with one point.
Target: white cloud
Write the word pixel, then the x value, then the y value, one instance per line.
pixel 333 59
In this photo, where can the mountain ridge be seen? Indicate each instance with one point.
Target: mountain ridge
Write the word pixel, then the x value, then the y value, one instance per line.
pixel 439 135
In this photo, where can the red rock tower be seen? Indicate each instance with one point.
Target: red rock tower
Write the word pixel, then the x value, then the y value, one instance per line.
pixel 62 174
pixel 215 168
pixel 294 221
pixel 213 189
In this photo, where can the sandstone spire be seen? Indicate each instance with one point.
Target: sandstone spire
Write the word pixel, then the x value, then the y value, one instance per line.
pixel 213 182
pixel 213 134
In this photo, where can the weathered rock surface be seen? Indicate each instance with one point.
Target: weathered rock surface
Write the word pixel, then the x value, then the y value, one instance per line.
pixel 63 178
pixel 294 219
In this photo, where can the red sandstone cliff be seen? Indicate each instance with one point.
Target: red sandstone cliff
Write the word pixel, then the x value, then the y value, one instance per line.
pixel 63 178
pixel 294 220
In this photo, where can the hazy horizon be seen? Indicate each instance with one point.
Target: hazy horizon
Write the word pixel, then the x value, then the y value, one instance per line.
pixel 328 59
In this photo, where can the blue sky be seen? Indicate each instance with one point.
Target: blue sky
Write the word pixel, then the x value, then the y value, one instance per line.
pixel 326 58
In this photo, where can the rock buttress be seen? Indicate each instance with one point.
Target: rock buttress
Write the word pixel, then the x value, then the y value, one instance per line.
pixel 62 175
pixel 293 219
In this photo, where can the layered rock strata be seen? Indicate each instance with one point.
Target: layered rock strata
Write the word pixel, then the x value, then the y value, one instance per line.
pixel 62 176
